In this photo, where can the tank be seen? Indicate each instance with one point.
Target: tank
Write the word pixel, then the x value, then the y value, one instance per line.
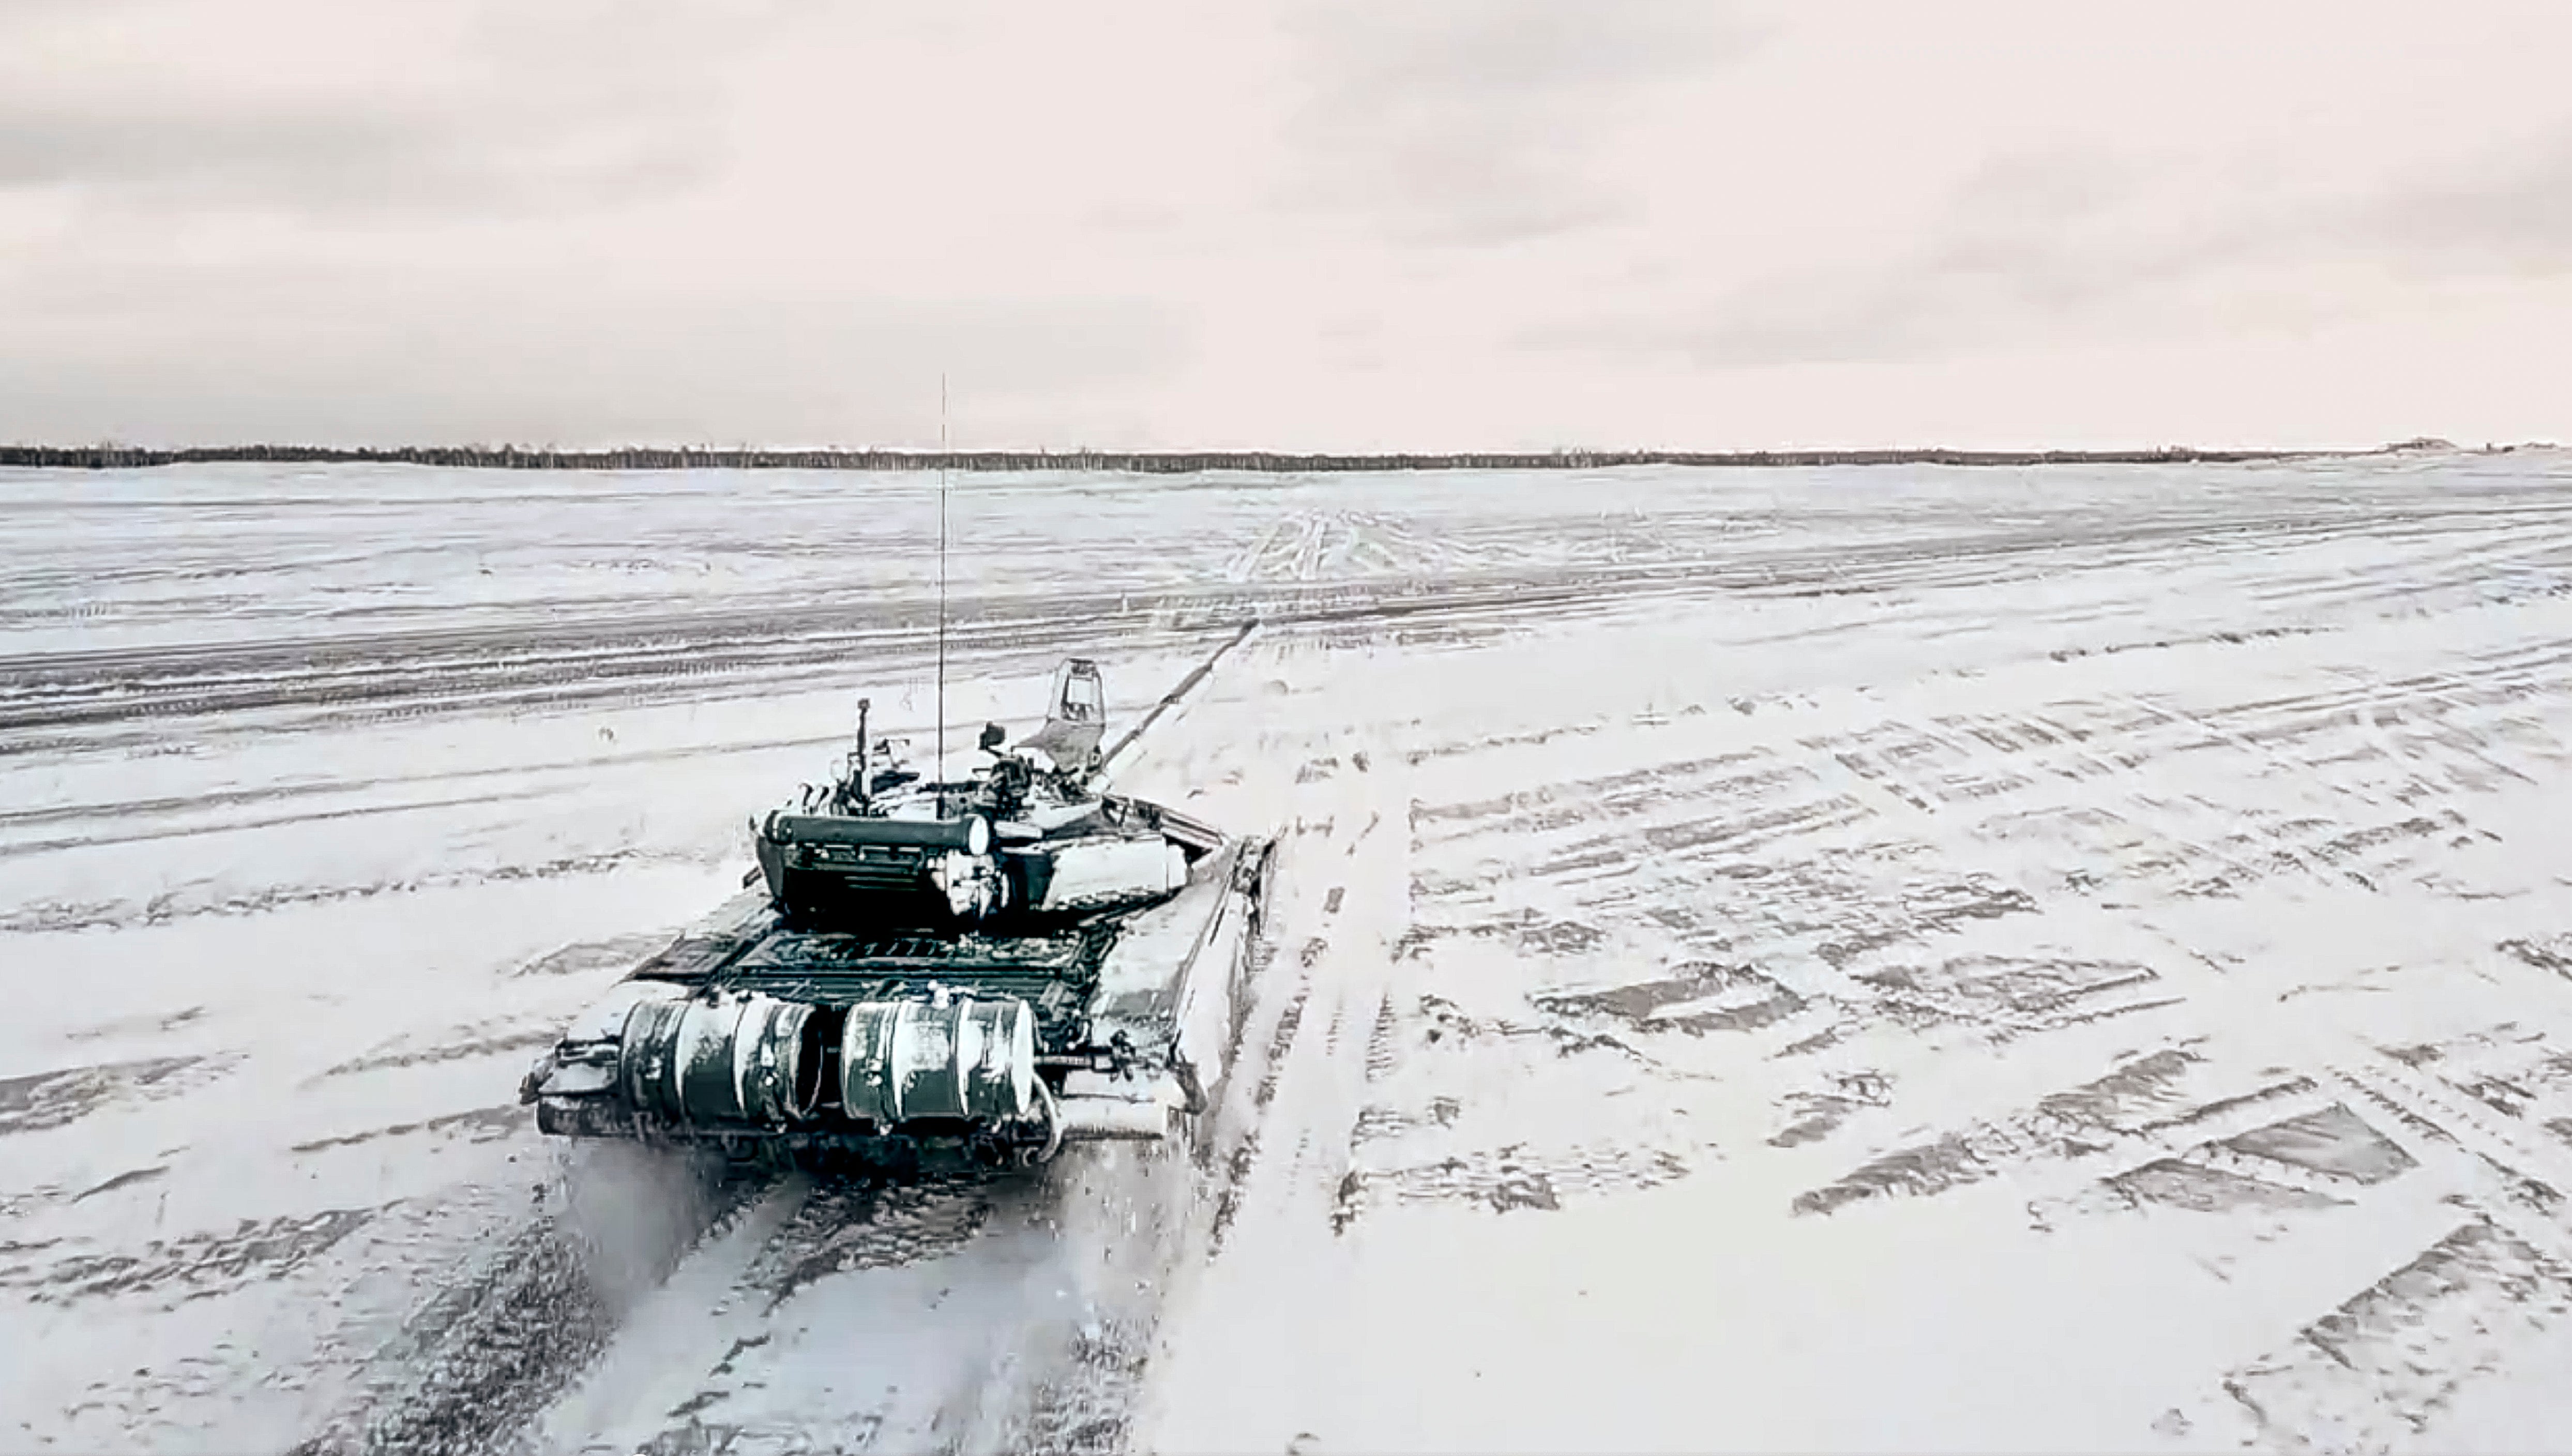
pixel 989 967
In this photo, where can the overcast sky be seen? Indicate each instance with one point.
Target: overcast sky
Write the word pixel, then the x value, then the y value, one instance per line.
pixel 1231 222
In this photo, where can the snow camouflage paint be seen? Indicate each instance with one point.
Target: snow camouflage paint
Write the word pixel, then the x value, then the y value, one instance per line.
pixel 1906 958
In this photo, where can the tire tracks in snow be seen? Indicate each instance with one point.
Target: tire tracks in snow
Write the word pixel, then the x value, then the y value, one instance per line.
pixel 486 1352
pixel 1322 1077
pixel 1342 907
pixel 640 654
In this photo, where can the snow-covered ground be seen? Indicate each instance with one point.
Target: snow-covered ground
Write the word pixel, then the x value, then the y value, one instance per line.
pixel 1895 959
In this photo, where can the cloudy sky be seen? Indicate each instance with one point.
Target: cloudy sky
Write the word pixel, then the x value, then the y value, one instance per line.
pixel 1374 224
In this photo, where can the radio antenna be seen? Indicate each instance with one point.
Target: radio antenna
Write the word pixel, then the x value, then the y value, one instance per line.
pixel 941 593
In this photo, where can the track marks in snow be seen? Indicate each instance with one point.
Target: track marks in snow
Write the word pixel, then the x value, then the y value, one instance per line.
pixel 2380 1368
pixel 482 1355
pixel 2074 1123
pixel 2385 1365
pixel 955 1315
pixel 1250 1108
pixel 1344 543
pixel 48 1099
pixel 1854 919
pixel 471 1044
pixel 480 1124
pixel 190 1266
pixel 1348 912
pixel 211 900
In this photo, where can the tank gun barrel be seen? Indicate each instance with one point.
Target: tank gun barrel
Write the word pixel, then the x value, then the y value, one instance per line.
pixel 1187 686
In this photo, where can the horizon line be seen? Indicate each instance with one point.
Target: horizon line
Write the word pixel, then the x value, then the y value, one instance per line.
pixel 1159 461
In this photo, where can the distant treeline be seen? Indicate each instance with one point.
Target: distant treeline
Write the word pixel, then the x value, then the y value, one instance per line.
pixel 650 457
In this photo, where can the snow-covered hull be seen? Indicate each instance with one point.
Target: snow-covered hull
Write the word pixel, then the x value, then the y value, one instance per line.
pixel 766 1040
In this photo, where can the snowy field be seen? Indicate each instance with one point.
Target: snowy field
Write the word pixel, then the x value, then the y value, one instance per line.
pixel 2070 959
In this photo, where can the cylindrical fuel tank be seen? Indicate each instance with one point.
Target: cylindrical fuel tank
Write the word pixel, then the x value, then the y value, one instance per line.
pixel 969 1058
pixel 737 1060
